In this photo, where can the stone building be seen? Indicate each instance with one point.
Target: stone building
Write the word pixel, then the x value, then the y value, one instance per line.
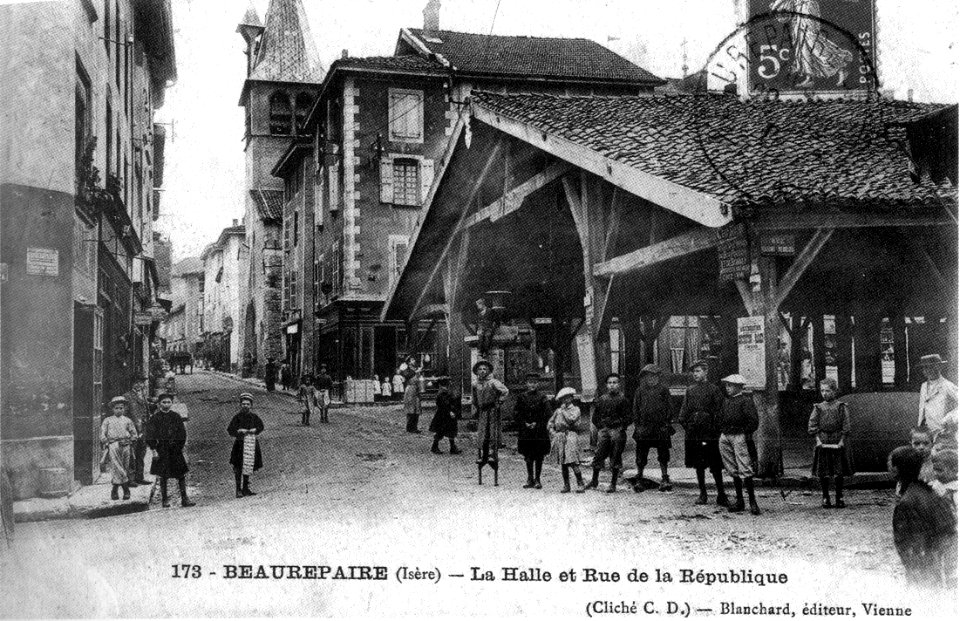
pixel 225 264
pixel 79 160
pixel 283 76
pixel 354 190
pixel 183 327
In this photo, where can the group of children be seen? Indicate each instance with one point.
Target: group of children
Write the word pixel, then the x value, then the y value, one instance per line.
pixel 314 394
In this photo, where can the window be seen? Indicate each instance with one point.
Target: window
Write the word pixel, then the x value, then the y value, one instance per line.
pixel 106 26
pixel 406 115
pixel 280 114
pixel 296 228
pixel 301 108
pixel 336 267
pixel 109 168
pixel 83 120
pixel 116 39
pixel 406 182
pixel 293 291
pixel 398 253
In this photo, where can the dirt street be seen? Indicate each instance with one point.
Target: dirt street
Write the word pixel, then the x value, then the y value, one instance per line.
pixel 359 491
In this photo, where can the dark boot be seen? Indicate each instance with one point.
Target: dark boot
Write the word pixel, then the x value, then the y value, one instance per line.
pixel 576 472
pixel 496 473
pixel 612 488
pixel 184 501
pixel 738 506
pixel 246 486
pixel 164 499
pixel 565 469
pixel 721 494
pixel 840 504
pixel 825 492
pixel 665 484
pixel 435 449
pixel 238 479
pixel 754 507
pixel 453 448
pixel 114 493
pixel 126 492
pixel 638 485
pixel 529 483
pixel 537 469
pixel 594 480
pixel 702 483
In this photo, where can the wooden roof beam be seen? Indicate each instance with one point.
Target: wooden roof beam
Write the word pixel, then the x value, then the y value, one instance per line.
pixel 512 201
pixel 680 246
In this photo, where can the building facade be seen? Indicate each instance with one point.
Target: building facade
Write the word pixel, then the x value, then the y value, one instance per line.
pixel 183 332
pixel 378 132
pixel 82 79
pixel 225 264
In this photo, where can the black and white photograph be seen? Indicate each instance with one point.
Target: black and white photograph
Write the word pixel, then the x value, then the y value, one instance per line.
pixel 575 309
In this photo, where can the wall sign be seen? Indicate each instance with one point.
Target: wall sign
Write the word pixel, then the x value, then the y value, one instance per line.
pixel 43 262
pixel 751 355
pixel 778 245
pixel 733 252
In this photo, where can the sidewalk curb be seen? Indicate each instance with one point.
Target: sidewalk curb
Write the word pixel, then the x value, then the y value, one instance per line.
pixel 68 507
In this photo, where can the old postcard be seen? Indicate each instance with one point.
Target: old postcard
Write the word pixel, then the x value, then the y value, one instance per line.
pixel 478 308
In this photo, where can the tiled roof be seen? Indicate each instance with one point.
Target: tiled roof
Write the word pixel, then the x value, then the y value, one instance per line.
pixel 407 62
pixel 190 265
pixel 755 152
pixel 286 52
pixel 532 56
pixel 269 203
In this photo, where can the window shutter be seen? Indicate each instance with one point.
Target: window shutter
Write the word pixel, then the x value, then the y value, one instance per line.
pixel 426 180
pixel 333 186
pixel 386 180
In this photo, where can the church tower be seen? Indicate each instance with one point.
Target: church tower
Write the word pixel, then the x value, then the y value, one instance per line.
pixel 283 78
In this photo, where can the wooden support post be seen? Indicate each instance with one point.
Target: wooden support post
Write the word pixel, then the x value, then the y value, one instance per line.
pixel 819 351
pixel 454 273
pixel 898 323
pixel 844 358
pixel 768 436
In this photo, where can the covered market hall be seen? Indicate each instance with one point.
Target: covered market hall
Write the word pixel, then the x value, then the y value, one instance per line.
pixel 787 241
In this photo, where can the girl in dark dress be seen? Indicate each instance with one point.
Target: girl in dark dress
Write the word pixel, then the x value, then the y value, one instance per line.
pixel 533 440
pixel 830 426
pixel 444 423
pixel 166 437
pixel 243 424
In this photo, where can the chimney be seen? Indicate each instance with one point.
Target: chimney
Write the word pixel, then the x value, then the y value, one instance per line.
pixel 235 221
pixel 431 16
pixel 909 94
pixel 345 53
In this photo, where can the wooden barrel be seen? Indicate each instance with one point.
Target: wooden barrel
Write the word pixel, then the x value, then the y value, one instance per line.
pixel 879 423
pixel 54 482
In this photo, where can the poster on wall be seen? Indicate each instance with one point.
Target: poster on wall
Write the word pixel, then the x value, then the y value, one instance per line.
pixel 807 46
pixel 588 373
pixel 750 352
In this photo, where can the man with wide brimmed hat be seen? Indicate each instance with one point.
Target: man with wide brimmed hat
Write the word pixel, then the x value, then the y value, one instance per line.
pixel 938 395
pixel 738 421
pixel 488 395
pixel 653 424
pixel 166 436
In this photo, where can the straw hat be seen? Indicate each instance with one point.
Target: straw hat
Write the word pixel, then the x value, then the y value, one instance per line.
pixel 566 392
pixel 736 378
pixel 931 359
pixel 247 396
pixel 650 368
pixel 117 400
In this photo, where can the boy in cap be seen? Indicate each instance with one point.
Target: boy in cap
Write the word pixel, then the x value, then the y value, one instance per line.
pixel 167 436
pixel 117 433
pixel 488 394
pixel 653 424
pixel 700 419
pixel 738 421
pixel 532 412
pixel 611 417
pixel 245 426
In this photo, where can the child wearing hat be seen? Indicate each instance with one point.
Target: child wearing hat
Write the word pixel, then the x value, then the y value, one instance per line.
pixel 700 419
pixel 488 394
pixel 830 425
pixel 565 443
pixel 117 434
pixel 444 423
pixel 166 437
pixel 738 421
pixel 611 417
pixel 245 426
pixel 306 397
pixel 653 424
pixel 532 413
pixel 938 395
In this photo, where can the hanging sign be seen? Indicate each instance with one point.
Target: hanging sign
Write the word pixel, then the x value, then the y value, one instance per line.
pixel 142 319
pixel 733 252
pixel 750 351
pixel 778 245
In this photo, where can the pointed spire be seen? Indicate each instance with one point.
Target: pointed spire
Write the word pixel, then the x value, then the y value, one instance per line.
pixel 287 52
pixel 250 18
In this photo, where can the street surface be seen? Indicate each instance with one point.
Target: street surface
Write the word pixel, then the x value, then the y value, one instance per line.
pixel 361 491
